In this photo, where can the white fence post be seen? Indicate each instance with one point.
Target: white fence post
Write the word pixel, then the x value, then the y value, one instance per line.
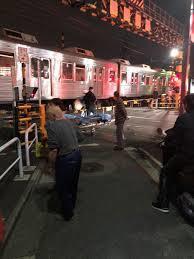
pixel 18 159
pixel 28 146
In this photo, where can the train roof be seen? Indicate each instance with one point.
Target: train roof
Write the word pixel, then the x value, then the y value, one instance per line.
pixel 21 38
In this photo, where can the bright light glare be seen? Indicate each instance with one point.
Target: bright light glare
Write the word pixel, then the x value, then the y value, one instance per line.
pixel 174 53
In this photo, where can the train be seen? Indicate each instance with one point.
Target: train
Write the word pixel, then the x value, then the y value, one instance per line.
pixel 26 68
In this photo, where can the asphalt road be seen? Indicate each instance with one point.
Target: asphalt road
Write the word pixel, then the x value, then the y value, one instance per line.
pixel 140 131
pixel 113 218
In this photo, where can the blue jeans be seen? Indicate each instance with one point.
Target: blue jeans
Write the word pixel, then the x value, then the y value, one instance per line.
pixel 67 170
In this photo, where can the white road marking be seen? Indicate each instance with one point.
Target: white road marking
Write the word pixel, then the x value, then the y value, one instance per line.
pixel 27 257
pixel 144 163
pixel 3 154
pixel 143 118
pixel 151 157
pixel 89 145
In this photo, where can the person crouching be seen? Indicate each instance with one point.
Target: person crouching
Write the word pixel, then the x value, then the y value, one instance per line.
pixel 66 157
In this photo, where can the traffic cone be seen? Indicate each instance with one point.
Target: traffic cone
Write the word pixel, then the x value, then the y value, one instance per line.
pixel 2 229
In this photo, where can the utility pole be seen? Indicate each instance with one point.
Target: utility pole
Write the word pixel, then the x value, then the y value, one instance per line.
pixel 187 55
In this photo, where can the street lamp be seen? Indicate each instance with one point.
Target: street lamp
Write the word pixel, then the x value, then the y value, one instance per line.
pixel 174 53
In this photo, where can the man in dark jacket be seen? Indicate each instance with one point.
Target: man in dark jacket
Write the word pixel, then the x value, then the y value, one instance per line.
pixel 155 98
pixel 90 101
pixel 120 118
pixel 182 138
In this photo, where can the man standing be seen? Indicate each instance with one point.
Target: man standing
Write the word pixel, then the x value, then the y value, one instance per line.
pixel 90 101
pixel 120 117
pixel 65 157
pixel 155 98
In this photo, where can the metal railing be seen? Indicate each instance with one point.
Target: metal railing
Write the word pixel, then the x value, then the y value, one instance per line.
pixel 28 143
pixel 18 159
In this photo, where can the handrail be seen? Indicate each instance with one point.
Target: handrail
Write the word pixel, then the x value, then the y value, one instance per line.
pixel 27 145
pixel 19 158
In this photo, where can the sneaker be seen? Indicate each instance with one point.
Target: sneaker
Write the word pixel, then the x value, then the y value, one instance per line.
pixel 160 207
pixel 117 148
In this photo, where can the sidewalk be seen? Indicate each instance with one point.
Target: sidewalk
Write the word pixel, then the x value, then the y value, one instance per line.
pixel 113 219
pixel 13 191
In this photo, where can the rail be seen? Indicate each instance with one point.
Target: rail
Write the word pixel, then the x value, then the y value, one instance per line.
pixel 18 159
pixel 152 104
pixel 29 144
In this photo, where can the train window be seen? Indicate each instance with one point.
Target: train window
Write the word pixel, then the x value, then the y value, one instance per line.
pixel 44 68
pixel 34 67
pixel 6 62
pixel 100 74
pixel 143 80
pixel 124 77
pixel 147 80
pixel 136 78
pixel 132 78
pixel 80 73
pixel 67 71
pixel 95 75
pixel 112 76
pixel 5 71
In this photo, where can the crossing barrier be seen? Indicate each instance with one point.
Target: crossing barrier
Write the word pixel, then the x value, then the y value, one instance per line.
pixel 28 144
pixel 18 159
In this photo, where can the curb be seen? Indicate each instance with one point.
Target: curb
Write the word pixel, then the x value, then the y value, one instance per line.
pixel 154 161
pixel 10 223
pixel 146 161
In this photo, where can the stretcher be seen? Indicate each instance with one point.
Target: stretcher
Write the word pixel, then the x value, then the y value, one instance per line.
pixel 89 123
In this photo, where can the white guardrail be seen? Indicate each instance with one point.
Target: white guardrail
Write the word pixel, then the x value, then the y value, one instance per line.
pixel 28 143
pixel 18 159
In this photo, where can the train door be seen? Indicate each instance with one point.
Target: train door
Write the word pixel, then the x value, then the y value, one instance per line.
pixel 6 76
pixel 98 81
pixel 41 76
pixel 134 84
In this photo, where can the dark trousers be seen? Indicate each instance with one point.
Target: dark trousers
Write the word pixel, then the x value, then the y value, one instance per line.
pixel 168 176
pixel 67 177
pixel 120 134
pixel 90 108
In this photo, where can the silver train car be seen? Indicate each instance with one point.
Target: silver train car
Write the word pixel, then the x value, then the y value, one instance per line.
pixel 65 74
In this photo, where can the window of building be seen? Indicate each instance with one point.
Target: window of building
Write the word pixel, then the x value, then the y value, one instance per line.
pixel 67 71
pixel 123 77
pixel 34 67
pixel 112 76
pixel 80 73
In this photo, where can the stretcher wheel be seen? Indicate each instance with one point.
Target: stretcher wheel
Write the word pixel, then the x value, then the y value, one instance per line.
pixel 93 131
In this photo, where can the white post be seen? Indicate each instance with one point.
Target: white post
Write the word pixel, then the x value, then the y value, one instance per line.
pixel 19 158
pixel 21 172
pixel 27 146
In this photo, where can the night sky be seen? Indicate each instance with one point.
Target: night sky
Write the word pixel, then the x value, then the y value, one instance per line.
pixel 176 8
pixel 85 31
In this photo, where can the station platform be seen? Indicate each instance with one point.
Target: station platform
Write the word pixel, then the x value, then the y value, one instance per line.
pixel 113 219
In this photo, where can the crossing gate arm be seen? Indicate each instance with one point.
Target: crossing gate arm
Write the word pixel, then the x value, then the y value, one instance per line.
pixel 18 159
